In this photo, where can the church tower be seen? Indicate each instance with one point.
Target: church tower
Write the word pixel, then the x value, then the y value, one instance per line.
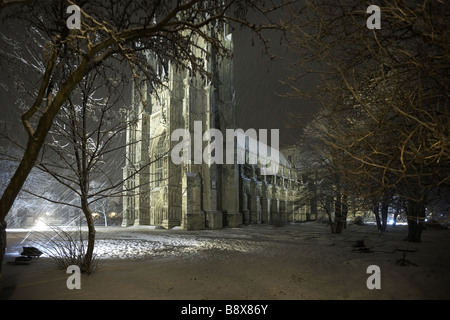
pixel 193 195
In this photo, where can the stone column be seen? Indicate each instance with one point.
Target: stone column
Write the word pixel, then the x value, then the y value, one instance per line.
pixel 255 201
pixel 244 199
pixel 290 208
pixel 265 202
pixel 283 205
pixel 230 196
pixel 127 198
pixel 275 205
pixel 193 218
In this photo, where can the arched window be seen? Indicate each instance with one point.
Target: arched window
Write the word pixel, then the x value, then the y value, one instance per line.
pixel 158 163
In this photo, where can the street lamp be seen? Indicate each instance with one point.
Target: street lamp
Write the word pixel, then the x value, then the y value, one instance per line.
pixel 113 215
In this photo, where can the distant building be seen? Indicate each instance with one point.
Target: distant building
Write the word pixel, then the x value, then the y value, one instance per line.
pixel 198 195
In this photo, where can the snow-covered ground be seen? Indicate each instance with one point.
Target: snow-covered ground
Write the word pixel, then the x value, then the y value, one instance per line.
pixel 296 261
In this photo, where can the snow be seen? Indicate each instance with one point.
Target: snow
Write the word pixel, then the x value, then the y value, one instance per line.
pixel 295 261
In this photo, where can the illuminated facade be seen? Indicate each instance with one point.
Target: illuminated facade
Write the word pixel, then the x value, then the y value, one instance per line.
pixel 198 195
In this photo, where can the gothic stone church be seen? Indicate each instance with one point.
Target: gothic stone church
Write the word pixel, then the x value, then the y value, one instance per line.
pixel 191 195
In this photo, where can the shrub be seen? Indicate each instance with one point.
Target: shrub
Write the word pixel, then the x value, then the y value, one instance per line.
pixel 67 247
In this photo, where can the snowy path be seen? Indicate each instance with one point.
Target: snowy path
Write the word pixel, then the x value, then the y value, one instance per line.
pixel 301 261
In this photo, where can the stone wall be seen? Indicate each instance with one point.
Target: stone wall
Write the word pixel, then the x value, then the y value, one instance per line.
pixel 271 199
pixel 196 195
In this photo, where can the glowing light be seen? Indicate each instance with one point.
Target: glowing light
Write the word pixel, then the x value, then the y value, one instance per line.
pixel 95 215
pixel 113 214
pixel 40 225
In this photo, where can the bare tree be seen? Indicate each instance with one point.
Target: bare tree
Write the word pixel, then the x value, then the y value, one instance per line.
pixel 84 146
pixel 384 94
pixel 83 152
pixel 324 189
pixel 112 30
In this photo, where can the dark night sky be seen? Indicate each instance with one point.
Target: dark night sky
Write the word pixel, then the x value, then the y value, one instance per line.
pixel 257 86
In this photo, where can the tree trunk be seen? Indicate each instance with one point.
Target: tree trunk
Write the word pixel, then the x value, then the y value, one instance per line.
pixel 345 209
pixel 416 218
pixel 397 211
pixel 87 267
pixel 376 212
pixel 15 185
pixel 34 145
pixel 2 248
pixel 340 215
pixel 337 226
pixel 384 215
